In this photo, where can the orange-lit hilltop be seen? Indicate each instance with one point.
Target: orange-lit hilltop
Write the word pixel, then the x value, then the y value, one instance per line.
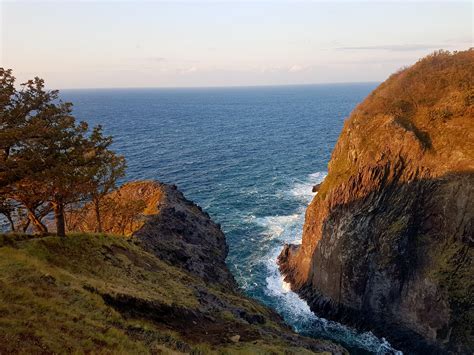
pixel 387 241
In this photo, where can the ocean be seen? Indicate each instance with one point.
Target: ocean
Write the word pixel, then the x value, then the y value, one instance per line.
pixel 249 156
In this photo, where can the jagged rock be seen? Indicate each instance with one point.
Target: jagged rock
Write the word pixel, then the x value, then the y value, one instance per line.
pixel 316 188
pixel 387 241
pixel 173 228
pixel 182 234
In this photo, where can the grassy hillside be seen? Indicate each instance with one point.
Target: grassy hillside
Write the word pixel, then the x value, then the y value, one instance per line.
pixel 423 113
pixel 103 293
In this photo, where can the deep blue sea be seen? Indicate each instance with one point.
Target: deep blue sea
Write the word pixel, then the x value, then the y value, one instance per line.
pixel 248 156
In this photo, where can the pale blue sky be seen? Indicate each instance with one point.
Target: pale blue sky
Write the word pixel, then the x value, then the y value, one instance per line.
pixel 223 43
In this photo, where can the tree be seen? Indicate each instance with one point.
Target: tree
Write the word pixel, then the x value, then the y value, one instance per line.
pixel 104 173
pixel 47 160
pixel 66 180
pixel 7 96
pixel 43 153
pixel 28 193
pixel 22 113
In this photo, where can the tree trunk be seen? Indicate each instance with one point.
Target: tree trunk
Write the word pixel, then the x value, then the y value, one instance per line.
pixel 97 215
pixel 10 220
pixel 25 225
pixel 37 222
pixel 59 217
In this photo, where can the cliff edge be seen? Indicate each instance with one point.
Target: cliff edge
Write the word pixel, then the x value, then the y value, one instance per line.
pixel 387 241
pixel 165 289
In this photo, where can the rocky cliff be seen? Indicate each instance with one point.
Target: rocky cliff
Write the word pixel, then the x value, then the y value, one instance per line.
pixel 172 227
pixel 163 290
pixel 183 234
pixel 387 241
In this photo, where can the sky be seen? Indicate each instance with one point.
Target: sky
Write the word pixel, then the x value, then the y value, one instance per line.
pixel 112 44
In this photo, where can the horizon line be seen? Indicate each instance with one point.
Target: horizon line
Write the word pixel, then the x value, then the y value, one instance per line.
pixel 216 86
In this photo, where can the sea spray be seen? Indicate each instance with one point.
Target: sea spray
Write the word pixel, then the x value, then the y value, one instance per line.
pixel 296 312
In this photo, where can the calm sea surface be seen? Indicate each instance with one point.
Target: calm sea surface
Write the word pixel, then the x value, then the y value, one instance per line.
pixel 248 156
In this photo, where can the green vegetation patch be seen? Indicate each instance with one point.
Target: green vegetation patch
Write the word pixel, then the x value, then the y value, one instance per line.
pixel 47 304
pixel 452 271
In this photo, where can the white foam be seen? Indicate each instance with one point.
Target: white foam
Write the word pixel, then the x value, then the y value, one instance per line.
pixel 303 190
pixel 290 303
pixel 288 229
pixel 286 286
pixel 276 225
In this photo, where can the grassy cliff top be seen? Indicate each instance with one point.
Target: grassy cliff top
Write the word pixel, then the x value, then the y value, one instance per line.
pixel 104 293
pixel 421 116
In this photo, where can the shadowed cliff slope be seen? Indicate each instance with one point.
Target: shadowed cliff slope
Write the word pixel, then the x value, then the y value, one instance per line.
pixel 387 241
pixel 164 290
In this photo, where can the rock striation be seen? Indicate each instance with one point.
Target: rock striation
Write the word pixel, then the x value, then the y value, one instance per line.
pixel 388 239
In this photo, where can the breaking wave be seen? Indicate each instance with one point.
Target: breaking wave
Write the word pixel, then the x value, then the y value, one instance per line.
pixel 289 229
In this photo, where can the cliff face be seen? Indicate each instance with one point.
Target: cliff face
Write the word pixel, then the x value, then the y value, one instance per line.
pixel 387 241
pixel 183 234
pixel 163 290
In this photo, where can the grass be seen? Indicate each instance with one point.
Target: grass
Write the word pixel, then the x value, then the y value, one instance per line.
pixel 52 300
pixel 421 114
pixel 45 302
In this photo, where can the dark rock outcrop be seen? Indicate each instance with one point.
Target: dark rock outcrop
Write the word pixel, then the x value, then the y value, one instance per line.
pixel 388 240
pixel 184 235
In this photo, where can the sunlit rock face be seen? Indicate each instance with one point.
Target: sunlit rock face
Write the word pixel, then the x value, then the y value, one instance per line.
pixel 387 241
pixel 122 211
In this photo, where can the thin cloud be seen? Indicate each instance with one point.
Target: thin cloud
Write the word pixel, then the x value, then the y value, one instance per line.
pixel 296 68
pixel 189 70
pixel 395 47
pixel 156 59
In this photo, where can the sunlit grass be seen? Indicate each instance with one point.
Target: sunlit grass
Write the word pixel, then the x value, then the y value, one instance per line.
pixel 51 299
